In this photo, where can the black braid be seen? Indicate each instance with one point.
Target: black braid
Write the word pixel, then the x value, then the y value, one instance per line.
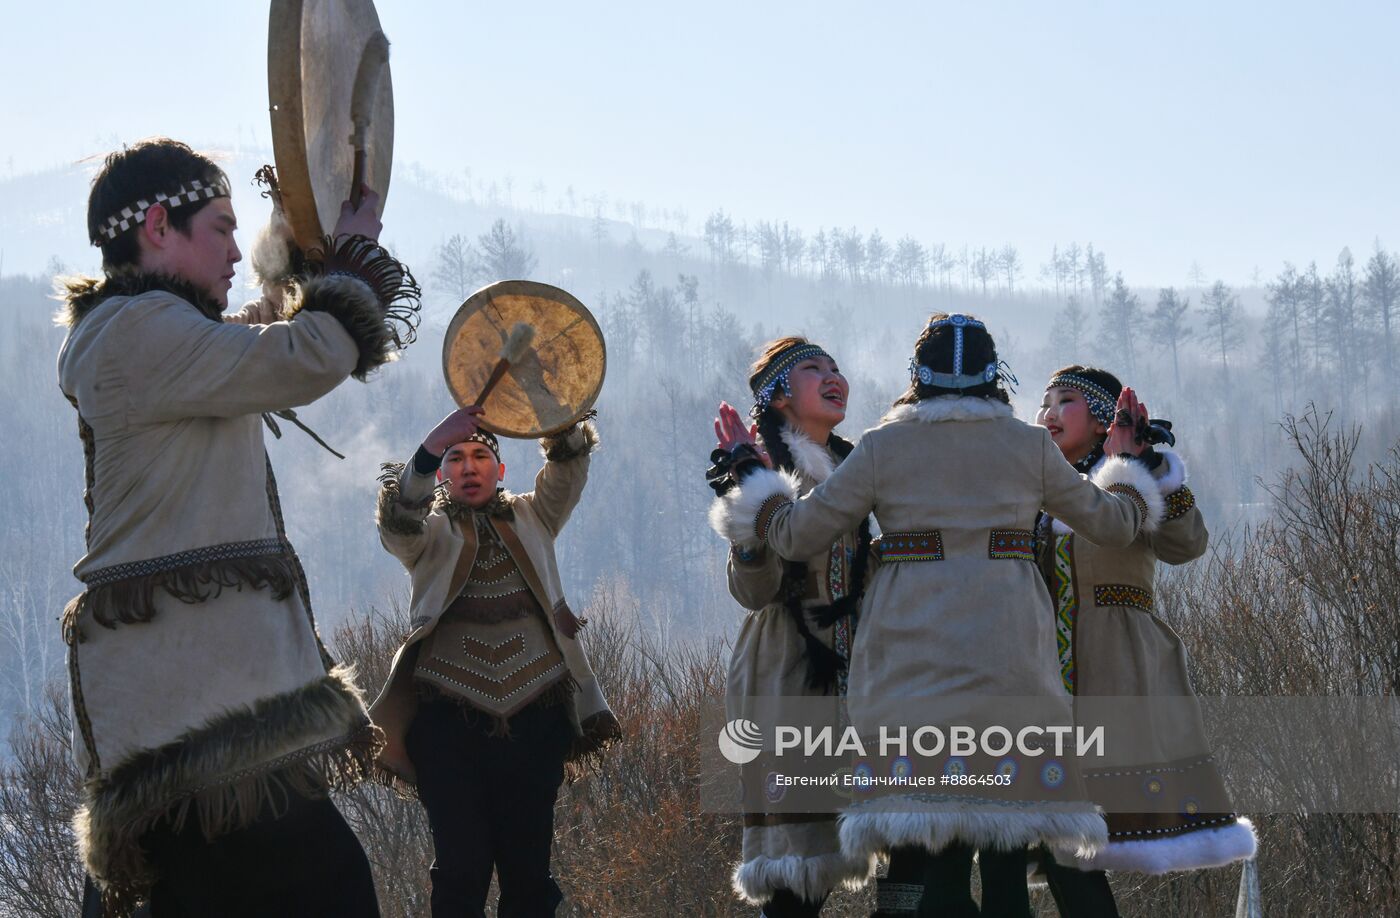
pixel 823 663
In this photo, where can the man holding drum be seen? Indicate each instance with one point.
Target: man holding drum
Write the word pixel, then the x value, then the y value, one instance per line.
pixel 491 696
pixel 210 719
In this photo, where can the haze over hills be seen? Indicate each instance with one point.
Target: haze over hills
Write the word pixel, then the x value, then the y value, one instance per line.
pixel 685 301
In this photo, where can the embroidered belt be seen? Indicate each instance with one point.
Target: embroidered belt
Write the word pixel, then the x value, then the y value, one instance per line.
pixel 1002 545
pixel 1011 544
pixel 910 546
pixel 224 552
pixel 1121 594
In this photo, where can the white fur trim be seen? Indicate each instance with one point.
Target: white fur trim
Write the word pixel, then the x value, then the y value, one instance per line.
pixel 1120 471
pixel 271 253
pixel 1173 469
pixel 949 408
pixel 1064 826
pixel 733 515
pixel 811 878
pixel 1172 479
pixel 813 460
pixel 1196 850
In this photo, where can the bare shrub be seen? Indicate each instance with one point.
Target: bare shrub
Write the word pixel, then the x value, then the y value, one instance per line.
pixel 39 870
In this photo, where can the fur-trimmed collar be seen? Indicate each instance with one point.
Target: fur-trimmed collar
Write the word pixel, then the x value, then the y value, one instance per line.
pixel 949 408
pixel 80 295
pixel 499 507
pixel 813 460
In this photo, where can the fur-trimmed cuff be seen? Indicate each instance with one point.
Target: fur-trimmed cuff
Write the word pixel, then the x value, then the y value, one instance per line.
pixel 351 301
pixel 736 515
pixel 395 512
pixel 579 440
pixel 1133 480
pixel 1195 850
pixel 1171 474
pixel 371 276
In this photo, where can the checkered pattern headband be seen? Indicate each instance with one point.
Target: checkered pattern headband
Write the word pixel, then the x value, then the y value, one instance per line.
pixel 488 440
pixel 193 191
pixel 776 376
pixel 1101 403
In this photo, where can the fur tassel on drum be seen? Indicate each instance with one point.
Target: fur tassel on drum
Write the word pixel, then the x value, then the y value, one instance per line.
pixel 517 342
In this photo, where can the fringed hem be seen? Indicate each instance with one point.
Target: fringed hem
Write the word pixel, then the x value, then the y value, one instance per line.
pixel 1194 850
pixel 599 732
pixel 1076 827
pixel 392 513
pixel 227 773
pixel 576 442
pixel 132 599
pixel 553 695
pixel 810 878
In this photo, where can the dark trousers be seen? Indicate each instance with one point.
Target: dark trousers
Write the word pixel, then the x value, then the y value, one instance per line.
pixel 787 904
pixel 304 862
pixel 946 878
pixel 944 882
pixel 490 802
pixel 1079 893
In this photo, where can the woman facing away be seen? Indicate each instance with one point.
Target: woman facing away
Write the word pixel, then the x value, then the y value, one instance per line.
pixel 796 639
pixel 1111 643
pixel 955 609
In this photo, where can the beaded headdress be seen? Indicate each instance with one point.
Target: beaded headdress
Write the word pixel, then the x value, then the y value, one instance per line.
pixel 193 191
pixel 957 379
pixel 1100 401
pixel 776 375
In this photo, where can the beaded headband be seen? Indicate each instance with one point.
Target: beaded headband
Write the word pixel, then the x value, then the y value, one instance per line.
pixel 1101 403
pixel 133 214
pixel 777 373
pixel 958 379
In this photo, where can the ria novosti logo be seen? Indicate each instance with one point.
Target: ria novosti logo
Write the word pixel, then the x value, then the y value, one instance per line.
pixel 740 741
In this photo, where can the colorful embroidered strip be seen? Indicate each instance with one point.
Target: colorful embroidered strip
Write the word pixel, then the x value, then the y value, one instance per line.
pixel 1121 594
pixel 910 546
pixel 1011 544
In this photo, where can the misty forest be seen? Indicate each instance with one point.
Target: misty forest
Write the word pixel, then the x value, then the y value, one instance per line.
pixel 1281 391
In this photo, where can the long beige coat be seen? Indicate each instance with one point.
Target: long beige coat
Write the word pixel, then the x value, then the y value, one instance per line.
pixel 770 661
pixel 970 624
pixel 435 540
pixel 1111 643
pixel 195 667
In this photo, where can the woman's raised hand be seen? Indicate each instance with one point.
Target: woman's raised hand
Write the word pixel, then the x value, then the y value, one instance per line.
pixel 731 432
pixel 1129 422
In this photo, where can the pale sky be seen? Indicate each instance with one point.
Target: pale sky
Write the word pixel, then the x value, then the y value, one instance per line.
pixel 1235 134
